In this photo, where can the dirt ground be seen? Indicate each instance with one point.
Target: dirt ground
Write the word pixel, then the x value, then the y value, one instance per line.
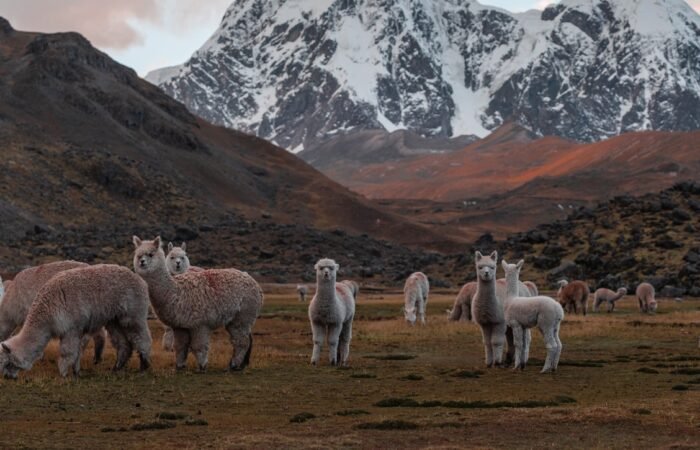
pixel 626 380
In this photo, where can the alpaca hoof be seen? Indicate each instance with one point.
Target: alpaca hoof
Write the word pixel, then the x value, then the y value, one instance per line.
pixel 235 368
pixel 96 361
pixel 180 368
pixel 144 366
pixel 201 369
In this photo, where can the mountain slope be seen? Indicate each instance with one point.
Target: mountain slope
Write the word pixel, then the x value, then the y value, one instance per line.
pixel 92 154
pixel 299 73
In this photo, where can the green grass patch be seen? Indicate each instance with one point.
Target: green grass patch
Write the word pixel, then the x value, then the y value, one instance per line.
pixel 647 370
pixel 157 425
pixel 302 417
pixel 388 425
pixel 352 412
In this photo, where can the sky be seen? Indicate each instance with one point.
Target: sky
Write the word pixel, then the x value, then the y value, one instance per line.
pixel 150 34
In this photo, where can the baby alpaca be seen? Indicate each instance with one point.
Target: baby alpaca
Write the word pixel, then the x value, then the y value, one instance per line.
pixel 302 290
pixel 21 292
pixel 415 292
pixel 194 304
pixel 331 312
pixel 573 296
pixel 646 295
pixel 77 302
pixel 522 313
pixel 354 287
pixel 604 295
pixel 462 308
pixel 487 309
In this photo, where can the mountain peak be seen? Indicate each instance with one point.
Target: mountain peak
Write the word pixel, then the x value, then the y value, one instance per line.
pixel 5 27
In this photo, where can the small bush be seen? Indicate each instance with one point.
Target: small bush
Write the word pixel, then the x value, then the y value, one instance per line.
pixel 352 412
pixel 171 416
pixel 647 370
pixel 157 425
pixel 412 377
pixel 680 387
pixel 686 371
pixel 302 417
pixel 388 425
pixel 641 411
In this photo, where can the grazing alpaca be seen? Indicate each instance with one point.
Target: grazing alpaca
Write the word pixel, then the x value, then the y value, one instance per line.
pixel 573 296
pixel 462 308
pixel 21 292
pixel 646 295
pixel 487 309
pixel 532 287
pixel 354 287
pixel 415 292
pixel 331 312
pixel 604 295
pixel 522 313
pixel 302 290
pixel 194 304
pixel 77 302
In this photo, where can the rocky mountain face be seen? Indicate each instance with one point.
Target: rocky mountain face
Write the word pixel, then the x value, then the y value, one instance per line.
pixel 299 73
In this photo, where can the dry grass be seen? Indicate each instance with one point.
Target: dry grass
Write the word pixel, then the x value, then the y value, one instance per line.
pixel 616 404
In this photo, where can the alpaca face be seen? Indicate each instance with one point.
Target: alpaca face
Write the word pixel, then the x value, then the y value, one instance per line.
pixel 10 370
pixel 622 291
pixel 148 255
pixel 653 305
pixel 177 260
pixel 512 269
pixel 326 270
pixel 486 266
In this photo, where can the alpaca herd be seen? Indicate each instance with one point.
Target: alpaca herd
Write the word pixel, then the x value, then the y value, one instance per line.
pixel 75 302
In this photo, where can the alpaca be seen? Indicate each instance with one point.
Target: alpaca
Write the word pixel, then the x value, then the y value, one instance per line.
pixel 573 296
pixel 194 304
pixel 415 292
pixel 331 312
pixel 604 295
pixel 354 287
pixel 462 308
pixel 646 295
pixel 487 309
pixel 302 290
pixel 177 262
pixel 522 313
pixel 80 301
pixel 2 289
pixel 21 292
pixel 532 287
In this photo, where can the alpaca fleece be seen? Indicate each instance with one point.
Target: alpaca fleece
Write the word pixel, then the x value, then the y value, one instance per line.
pixel 604 295
pixel 646 295
pixel 79 301
pixel 194 304
pixel 331 312
pixel 354 287
pixel 462 308
pixel 21 292
pixel 302 290
pixel 523 313
pixel 415 292
pixel 487 309
pixel 532 287
pixel 573 296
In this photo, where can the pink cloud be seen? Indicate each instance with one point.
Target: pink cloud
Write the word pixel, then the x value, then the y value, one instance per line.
pixel 695 4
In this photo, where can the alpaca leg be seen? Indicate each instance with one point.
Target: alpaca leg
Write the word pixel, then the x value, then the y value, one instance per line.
pixel 199 345
pixel 498 341
pixel 319 335
pixel 182 347
pixel 584 305
pixel 555 362
pixel 99 338
pixel 242 341
pixel 641 305
pixel 168 341
pixel 344 343
pixel 333 338
pixel 140 339
pixel 596 304
pixel 121 345
pixel 486 337
pixel 518 343
pixel 510 347
pixel 70 355
pixel 552 348
pixel 421 309
pixel 526 346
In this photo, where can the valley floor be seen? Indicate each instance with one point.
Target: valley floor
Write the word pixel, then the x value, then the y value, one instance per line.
pixel 625 381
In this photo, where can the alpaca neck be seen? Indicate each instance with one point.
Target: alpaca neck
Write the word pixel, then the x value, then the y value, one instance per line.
pixel 29 344
pixel 618 295
pixel 511 285
pixel 161 289
pixel 325 290
pixel 486 288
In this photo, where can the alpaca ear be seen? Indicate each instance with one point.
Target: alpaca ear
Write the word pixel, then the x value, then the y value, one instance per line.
pixel 137 241
pixel 337 266
pixel 6 348
pixel 184 246
pixel 316 266
pixel 504 264
pixel 157 242
pixel 478 256
pixel 170 247
pixel 520 264
pixel 494 255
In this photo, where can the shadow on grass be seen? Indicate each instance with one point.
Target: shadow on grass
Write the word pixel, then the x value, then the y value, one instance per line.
pixel 387 425
pixel 478 404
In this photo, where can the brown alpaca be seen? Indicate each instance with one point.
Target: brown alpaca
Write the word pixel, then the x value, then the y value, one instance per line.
pixel 573 296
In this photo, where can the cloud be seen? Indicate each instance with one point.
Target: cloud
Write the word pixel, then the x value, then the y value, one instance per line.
pixel 695 4
pixel 109 24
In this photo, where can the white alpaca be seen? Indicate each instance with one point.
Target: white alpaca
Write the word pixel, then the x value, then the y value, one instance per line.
pixel 302 290
pixel 646 295
pixel 415 292
pixel 522 313
pixel 487 309
pixel 77 302
pixel 331 312
pixel 604 295
pixel 194 304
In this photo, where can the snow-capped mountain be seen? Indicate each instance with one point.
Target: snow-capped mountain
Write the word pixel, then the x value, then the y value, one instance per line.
pixel 299 72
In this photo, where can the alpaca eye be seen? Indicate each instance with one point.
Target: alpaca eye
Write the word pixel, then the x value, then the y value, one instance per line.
pixel 150 255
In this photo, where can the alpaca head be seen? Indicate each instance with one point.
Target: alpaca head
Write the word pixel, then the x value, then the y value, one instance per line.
pixel 486 266
pixel 622 291
pixel 8 364
pixel 653 305
pixel 326 270
pixel 177 260
pixel 148 256
pixel 562 283
pixel 512 269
